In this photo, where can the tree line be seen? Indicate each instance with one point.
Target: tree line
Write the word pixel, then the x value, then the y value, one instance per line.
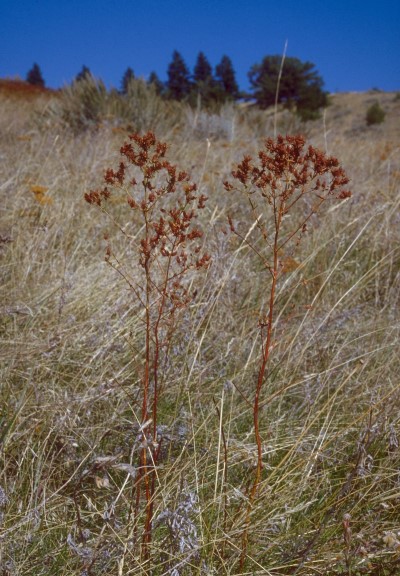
pixel 300 84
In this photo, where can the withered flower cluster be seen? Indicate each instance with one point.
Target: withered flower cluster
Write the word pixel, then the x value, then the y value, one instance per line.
pixel 286 168
pixel 285 172
pixel 168 204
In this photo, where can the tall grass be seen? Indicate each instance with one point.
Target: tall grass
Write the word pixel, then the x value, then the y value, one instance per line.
pixel 71 385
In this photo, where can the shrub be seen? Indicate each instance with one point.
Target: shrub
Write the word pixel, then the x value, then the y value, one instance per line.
pixel 142 107
pixel 81 105
pixel 86 104
pixel 375 114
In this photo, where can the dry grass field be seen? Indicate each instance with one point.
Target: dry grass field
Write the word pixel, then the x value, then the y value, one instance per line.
pixel 72 341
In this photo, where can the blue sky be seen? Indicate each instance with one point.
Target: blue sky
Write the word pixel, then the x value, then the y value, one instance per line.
pixel 355 44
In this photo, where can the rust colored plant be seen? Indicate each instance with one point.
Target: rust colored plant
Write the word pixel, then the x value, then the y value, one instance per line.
pixel 287 179
pixel 167 247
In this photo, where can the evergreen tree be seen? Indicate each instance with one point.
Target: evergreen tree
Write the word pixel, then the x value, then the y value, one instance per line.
pixel 156 82
pixel 225 76
pixel 204 83
pixel 34 76
pixel 300 85
pixel 178 83
pixel 202 71
pixel 84 74
pixel 128 76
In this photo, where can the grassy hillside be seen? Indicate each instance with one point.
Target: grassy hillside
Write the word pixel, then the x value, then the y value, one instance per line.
pixel 72 354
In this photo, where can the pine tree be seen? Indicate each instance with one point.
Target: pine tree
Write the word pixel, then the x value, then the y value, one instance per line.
pixel 178 83
pixel 34 76
pixel 300 85
pixel 204 83
pixel 156 82
pixel 225 76
pixel 128 76
pixel 202 71
pixel 84 74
